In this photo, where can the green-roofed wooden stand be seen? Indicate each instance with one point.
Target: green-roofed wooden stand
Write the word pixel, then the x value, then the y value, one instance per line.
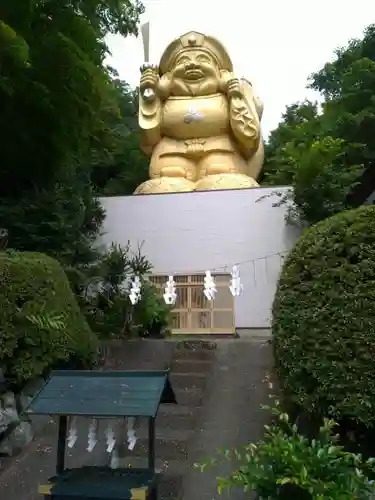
pixel 116 394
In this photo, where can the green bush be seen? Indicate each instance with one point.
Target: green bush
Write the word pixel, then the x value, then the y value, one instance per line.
pixel 285 465
pixel 41 325
pixel 151 316
pixel 104 296
pixel 324 319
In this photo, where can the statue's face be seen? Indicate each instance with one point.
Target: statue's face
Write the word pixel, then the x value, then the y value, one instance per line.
pixel 195 73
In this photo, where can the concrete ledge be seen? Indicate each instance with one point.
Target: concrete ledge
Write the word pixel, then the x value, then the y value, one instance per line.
pixel 264 333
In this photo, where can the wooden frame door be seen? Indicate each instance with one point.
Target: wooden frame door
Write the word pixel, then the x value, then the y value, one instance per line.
pixel 193 313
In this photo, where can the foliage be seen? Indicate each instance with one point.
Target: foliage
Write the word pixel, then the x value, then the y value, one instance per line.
pixel 123 166
pixel 62 221
pixel 322 152
pixel 324 319
pixel 58 105
pixel 54 89
pixel 299 124
pixel 63 118
pixel 104 297
pixel 285 465
pixel 40 321
pixel 151 315
pixel 347 85
pixel 46 321
pixel 320 180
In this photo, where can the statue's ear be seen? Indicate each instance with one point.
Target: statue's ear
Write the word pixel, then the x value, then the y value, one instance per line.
pixel 166 77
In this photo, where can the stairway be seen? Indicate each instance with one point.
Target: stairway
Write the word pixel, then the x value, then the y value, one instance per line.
pixel 191 367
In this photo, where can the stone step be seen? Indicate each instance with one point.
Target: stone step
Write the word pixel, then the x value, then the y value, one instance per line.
pixel 174 420
pixel 178 410
pixel 163 434
pixel 137 354
pixel 170 487
pixel 162 467
pixel 177 418
pixel 194 356
pixel 186 365
pixel 196 344
pixel 188 380
pixel 191 355
pixel 165 449
pixel 170 475
pixel 192 397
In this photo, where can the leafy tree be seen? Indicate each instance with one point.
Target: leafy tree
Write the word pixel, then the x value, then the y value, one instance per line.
pixel 57 101
pixel 123 166
pixel 300 123
pixel 53 86
pixel 347 85
pixel 322 153
pixel 320 178
pixel 62 221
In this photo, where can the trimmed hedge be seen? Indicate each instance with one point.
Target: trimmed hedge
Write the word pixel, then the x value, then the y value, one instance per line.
pixel 41 324
pixel 324 319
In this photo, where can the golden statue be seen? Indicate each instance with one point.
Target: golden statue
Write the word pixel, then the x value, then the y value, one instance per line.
pixel 199 123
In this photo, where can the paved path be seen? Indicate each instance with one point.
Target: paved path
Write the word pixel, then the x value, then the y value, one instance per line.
pixel 231 416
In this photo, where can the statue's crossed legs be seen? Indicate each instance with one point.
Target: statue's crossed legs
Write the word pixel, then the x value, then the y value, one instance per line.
pixel 196 170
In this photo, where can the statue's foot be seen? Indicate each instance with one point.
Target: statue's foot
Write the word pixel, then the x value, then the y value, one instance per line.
pixel 165 185
pixel 225 181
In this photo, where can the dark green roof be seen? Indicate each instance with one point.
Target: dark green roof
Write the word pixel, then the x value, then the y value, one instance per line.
pixel 103 394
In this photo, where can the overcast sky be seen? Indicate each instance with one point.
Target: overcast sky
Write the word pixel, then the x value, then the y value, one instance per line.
pixel 276 44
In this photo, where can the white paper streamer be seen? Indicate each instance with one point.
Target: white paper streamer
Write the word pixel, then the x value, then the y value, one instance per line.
pixel 132 439
pixel 236 287
pixel 110 439
pixel 73 433
pixel 170 295
pixel 135 291
pixel 92 435
pixel 209 286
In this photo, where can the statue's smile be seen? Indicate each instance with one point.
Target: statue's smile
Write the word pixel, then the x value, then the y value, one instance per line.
pixel 193 74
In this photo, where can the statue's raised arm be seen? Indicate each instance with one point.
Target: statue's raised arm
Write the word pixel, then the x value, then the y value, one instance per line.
pixel 200 124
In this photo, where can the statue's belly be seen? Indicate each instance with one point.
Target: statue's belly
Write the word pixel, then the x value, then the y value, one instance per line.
pixel 197 117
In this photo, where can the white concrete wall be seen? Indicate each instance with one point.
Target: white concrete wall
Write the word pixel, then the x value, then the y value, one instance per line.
pixel 370 200
pixel 193 232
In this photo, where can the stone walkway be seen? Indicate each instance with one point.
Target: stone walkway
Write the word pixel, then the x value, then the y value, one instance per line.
pixel 219 392
pixel 232 414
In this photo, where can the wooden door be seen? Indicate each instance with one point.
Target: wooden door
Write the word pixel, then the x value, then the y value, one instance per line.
pixel 193 313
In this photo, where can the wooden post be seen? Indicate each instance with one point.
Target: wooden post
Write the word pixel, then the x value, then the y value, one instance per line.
pixel 61 443
pixel 151 444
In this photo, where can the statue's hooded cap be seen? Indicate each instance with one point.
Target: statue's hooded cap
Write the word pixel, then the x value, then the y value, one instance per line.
pixel 194 40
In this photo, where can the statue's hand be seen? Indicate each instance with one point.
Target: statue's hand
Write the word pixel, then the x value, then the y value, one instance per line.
pixel 234 88
pixel 149 81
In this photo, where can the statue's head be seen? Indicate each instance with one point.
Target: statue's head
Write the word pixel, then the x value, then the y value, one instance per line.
pixel 195 64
